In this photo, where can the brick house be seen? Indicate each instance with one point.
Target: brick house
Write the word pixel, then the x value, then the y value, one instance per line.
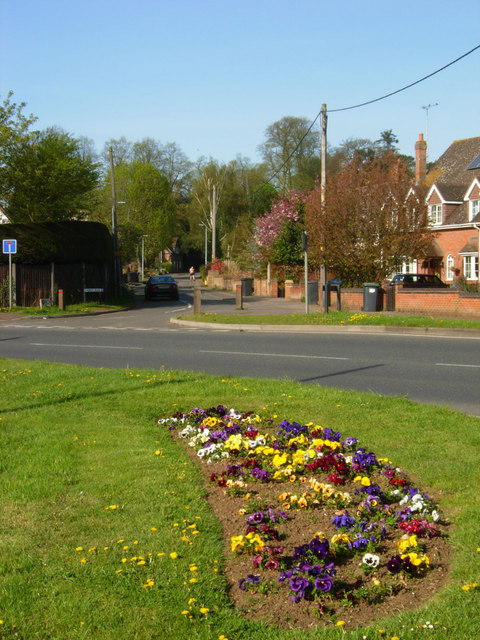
pixel 453 201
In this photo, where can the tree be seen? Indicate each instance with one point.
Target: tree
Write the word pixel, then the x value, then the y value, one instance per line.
pixel 14 128
pixel 370 223
pixel 388 140
pixel 148 209
pixel 171 161
pixel 361 148
pixel 288 149
pixel 87 150
pixel 277 233
pixel 364 150
pixel 177 168
pixel 14 132
pixel 45 178
pixel 121 149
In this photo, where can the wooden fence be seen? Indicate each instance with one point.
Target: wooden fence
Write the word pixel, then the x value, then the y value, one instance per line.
pixel 35 282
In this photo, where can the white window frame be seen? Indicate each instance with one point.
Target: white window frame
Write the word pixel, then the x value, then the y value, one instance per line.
pixel 470 267
pixel 409 267
pixel 450 267
pixel 435 213
pixel 474 209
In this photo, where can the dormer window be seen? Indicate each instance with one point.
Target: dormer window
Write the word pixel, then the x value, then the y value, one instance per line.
pixel 435 213
pixel 474 209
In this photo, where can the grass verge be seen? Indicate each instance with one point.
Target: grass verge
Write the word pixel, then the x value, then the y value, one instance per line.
pixel 80 308
pixel 336 318
pixel 89 481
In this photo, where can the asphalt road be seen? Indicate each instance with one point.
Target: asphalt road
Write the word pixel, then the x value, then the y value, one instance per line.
pixel 436 370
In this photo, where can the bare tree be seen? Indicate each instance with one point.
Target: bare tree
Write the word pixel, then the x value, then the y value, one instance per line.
pixel 289 147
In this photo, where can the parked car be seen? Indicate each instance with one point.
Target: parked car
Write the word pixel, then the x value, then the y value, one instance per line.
pixel 161 287
pixel 418 280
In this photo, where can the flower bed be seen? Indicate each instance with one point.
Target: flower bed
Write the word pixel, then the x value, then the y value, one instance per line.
pixel 317 528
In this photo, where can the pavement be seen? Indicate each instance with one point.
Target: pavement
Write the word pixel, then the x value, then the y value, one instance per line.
pixel 223 302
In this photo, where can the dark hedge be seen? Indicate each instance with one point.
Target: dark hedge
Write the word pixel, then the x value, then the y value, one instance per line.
pixel 61 242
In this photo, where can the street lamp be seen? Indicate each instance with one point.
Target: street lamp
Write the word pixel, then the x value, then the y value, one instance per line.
pixel 202 224
pixel 143 254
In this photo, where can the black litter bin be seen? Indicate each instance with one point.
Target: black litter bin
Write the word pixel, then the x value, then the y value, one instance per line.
pixel 247 286
pixel 370 296
pixel 336 285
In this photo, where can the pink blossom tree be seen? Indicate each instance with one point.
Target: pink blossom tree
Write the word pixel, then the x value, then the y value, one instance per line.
pixel 269 227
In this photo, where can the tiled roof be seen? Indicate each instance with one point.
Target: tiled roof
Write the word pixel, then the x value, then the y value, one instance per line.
pixel 451 174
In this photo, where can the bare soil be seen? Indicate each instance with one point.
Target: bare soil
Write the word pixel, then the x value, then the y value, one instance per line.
pixel 275 606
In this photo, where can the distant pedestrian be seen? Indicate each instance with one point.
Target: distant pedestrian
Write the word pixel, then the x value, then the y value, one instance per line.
pixel 192 274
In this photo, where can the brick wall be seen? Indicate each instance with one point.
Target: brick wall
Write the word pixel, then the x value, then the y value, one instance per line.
pixel 438 302
pixel 262 287
pixel 352 299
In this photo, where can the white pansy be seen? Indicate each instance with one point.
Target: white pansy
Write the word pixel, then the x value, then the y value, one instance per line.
pixel 371 560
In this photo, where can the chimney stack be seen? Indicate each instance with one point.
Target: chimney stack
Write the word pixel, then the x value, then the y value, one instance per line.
pixel 420 159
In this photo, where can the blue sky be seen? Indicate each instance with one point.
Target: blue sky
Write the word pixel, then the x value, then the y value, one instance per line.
pixel 212 75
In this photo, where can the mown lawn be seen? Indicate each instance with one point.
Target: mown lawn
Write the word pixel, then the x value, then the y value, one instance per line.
pixel 89 479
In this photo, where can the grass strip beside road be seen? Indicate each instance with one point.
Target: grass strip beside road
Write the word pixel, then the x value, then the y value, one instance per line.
pixel 341 318
pixel 99 504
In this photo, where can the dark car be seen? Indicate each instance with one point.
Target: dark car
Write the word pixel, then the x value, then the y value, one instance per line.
pixel 161 287
pixel 418 280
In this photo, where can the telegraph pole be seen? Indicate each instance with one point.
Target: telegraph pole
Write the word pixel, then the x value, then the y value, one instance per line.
pixel 323 186
pixel 323 175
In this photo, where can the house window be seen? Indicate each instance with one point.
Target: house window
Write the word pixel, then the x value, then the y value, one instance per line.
pixel 409 267
pixel 470 267
pixel 435 213
pixel 474 208
pixel 450 263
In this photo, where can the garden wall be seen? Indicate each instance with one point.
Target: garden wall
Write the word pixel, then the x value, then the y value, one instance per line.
pixel 438 302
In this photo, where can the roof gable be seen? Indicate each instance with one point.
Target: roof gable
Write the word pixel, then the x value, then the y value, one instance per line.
pixel 473 190
pixel 452 173
pixel 434 191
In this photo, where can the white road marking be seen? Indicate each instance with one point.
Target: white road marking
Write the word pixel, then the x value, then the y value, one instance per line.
pixel 273 355
pixel 82 346
pixel 452 364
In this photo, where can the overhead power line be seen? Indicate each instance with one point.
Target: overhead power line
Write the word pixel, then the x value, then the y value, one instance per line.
pixel 408 86
pixel 364 104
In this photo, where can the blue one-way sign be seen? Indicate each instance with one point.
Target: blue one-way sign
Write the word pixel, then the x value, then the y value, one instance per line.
pixel 9 246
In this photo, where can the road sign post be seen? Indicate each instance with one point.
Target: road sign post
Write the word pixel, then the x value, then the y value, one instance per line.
pixel 9 246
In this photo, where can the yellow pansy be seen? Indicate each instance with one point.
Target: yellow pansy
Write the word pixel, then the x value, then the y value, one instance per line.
pixel 236 542
pixel 279 460
pixel 407 542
